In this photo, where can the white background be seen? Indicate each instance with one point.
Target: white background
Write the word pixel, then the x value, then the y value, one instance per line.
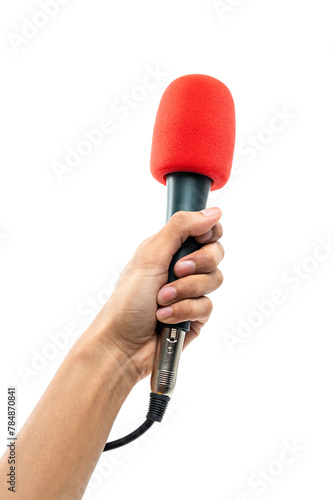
pixel 65 241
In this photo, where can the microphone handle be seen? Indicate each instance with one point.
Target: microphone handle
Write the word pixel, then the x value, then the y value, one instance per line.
pixel 185 191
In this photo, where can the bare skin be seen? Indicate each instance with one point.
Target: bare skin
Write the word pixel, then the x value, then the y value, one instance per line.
pixel 62 440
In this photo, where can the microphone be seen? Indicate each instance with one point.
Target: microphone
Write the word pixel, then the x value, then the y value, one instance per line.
pixel 192 153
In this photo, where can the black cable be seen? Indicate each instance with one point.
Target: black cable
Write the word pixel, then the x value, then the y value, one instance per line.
pixel 156 411
pixel 130 437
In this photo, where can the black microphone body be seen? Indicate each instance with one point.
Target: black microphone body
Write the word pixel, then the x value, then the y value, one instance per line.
pixel 189 192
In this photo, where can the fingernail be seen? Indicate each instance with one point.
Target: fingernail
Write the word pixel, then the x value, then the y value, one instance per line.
pixel 166 294
pixel 185 267
pixel 164 313
pixel 211 211
pixel 205 237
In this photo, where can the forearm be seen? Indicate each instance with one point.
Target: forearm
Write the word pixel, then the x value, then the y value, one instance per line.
pixel 60 444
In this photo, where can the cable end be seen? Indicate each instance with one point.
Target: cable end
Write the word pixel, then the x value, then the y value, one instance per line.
pixel 158 406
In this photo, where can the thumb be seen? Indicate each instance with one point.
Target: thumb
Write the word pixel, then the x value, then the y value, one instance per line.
pixel 179 227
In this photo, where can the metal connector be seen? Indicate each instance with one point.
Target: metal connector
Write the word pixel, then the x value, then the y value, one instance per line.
pixel 166 361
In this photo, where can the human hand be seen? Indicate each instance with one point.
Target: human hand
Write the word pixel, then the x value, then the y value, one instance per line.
pixel 127 321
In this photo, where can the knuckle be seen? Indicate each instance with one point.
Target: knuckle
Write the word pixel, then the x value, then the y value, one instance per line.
pixel 179 218
pixel 214 253
pixel 219 230
pixel 192 309
pixel 221 250
pixel 208 255
pixel 185 309
pixel 219 277
pixel 208 306
pixel 190 288
pixel 179 311
pixel 212 258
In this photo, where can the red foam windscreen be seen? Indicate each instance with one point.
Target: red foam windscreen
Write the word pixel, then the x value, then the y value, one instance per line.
pixel 194 130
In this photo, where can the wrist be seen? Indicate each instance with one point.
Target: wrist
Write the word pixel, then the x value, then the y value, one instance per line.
pixel 107 371
pixel 109 359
